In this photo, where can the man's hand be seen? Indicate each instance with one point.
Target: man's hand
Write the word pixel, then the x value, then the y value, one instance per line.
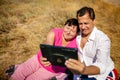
pixel 75 66
pixel 44 61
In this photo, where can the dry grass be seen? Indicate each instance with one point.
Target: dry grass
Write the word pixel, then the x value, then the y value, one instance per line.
pixel 25 23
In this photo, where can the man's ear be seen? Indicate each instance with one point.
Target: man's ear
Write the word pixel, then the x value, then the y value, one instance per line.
pixel 94 21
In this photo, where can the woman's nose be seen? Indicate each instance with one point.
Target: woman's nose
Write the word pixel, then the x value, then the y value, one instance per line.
pixel 68 32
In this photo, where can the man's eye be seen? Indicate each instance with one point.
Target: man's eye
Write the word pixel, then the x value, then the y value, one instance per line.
pixel 80 23
pixel 86 23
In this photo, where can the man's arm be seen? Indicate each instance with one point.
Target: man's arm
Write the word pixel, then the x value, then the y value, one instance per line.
pixel 91 70
pixel 78 67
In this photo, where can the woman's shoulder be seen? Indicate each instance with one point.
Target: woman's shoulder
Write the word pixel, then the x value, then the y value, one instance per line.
pixel 57 29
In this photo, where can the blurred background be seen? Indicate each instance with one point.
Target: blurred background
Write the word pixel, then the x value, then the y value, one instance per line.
pixel 24 24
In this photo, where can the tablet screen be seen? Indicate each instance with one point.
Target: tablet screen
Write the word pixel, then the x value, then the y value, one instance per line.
pixel 58 55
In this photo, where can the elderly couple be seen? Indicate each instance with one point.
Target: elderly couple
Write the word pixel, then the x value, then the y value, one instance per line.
pixel 93 51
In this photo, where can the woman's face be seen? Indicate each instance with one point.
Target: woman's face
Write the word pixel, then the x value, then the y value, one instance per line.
pixel 69 32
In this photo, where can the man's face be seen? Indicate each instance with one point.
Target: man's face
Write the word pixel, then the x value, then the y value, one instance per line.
pixel 85 24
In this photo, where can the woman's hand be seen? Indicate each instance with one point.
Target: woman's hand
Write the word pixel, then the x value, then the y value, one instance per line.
pixel 75 66
pixel 44 61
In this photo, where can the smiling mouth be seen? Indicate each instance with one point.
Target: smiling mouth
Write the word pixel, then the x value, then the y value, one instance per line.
pixel 84 30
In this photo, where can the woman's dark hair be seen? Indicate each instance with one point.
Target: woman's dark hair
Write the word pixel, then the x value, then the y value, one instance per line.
pixel 84 10
pixel 72 21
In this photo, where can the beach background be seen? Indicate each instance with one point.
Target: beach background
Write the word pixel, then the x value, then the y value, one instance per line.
pixel 24 24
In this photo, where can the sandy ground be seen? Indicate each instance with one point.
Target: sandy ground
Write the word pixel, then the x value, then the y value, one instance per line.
pixel 116 2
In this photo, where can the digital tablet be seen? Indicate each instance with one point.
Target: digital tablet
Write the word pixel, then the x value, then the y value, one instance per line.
pixel 58 55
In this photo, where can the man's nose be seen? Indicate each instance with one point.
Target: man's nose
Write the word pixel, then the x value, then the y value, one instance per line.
pixel 83 26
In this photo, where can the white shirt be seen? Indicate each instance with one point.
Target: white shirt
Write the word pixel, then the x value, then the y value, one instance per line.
pixel 97 52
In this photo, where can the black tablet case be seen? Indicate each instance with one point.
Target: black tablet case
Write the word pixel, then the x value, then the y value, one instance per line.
pixel 58 55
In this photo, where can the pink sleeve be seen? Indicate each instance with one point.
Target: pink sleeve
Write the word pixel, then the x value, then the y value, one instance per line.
pixel 39 54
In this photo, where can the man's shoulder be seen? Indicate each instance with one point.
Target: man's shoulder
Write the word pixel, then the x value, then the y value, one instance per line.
pixel 101 35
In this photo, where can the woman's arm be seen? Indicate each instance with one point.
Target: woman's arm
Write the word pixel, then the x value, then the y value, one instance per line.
pixel 50 41
pixel 50 38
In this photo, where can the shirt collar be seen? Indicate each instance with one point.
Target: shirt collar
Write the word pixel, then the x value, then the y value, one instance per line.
pixel 92 35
